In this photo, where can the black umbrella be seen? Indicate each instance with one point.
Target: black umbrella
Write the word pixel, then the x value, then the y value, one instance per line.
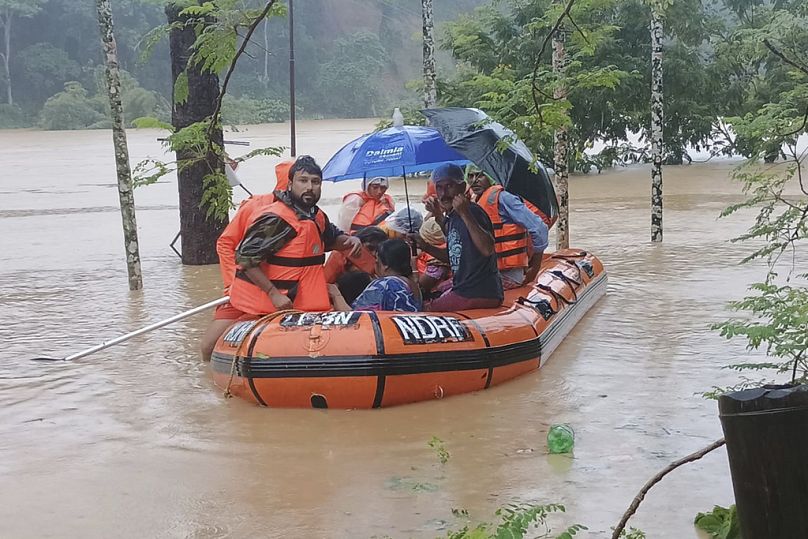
pixel 496 150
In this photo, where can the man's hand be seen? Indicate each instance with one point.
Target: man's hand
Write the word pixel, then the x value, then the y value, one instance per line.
pixel 353 245
pixel 417 239
pixel 533 268
pixel 433 206
pixel 461 204
pixel 280 301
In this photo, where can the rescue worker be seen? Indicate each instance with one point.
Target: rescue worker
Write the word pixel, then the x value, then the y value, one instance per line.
pixel 518 258
pixel 369 207
pixel 226 314
pixel 280 260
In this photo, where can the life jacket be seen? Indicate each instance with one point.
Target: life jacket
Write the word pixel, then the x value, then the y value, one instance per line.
pixel 245 215
pixel 532 207
pixel 425 259
pixel 296 269
pixel 373 212
pixel 510 240
pixel 338 263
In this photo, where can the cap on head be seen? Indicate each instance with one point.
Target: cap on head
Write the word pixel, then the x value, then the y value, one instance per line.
pixel 448 173
pixel 378 180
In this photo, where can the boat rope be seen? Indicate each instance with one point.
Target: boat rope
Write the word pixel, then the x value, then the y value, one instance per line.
pixel 258 323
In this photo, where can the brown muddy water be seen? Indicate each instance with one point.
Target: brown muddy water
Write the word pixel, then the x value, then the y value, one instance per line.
pixel 136 442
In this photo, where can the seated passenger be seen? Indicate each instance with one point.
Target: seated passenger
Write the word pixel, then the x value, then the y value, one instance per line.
pixel 368 207
pixel 226 314
pixel 470 251
pixel 431 271
pixel 395 289
pixel 338 264
pixel 352 283
pixel 513 222
pixel 401 223
pixel 281 256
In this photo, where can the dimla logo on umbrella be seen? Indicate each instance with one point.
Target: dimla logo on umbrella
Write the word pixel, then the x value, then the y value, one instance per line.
pixel 373 157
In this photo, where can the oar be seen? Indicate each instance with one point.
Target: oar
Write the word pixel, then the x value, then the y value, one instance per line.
pixel 140 331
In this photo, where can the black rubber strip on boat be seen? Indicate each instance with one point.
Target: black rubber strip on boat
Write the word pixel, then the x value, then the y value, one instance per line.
pixel 488 377
pixel 254 340
pixel 474 322
pixel 380 380
pixel 377 398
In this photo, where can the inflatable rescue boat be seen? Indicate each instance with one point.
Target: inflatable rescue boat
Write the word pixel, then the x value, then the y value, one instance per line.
pixel 364 359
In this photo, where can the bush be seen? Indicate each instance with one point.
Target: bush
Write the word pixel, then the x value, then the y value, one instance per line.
pixel 71 109
pixel 12 116
pixel 245 110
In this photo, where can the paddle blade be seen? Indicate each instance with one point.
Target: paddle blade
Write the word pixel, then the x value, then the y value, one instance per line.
pixel 47 359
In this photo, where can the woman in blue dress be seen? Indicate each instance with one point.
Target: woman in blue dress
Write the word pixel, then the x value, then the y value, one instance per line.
pixel 395 289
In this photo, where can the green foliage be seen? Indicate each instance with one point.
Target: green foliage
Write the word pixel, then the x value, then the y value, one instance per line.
pixel 775 313
pixel 412 116
pixel 247 111
pixel 12 117
pixel 720 523
pixel 632 533
pixel 72 108
pixel 439 447
pixel 515 521
pixel 181 88
pixel 44 68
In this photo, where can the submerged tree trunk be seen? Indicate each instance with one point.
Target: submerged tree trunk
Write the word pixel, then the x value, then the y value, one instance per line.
pixel 561 149
pixel 199 232
pixel 430 88
pixel 125 194
pixel 6 21
pixel 656 125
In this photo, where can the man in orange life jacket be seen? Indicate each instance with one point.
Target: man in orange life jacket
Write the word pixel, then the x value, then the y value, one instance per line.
pixel 520 235
pixel 281 256
pixel 233 233
pixel 369 207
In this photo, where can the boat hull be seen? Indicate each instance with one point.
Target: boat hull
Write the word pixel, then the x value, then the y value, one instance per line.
pixel 365 359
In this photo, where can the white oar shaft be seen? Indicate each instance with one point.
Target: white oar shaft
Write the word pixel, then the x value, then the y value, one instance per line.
pixel 146 329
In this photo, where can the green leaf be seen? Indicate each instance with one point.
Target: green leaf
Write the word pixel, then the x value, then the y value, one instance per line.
pixel 149 122
pixel 181 88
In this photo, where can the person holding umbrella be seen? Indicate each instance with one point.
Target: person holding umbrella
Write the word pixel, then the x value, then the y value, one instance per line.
pixel 518 261
pixel 369 207
pixel 470 252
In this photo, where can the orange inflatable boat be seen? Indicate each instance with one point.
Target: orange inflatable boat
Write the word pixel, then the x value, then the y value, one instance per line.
pixel 365 359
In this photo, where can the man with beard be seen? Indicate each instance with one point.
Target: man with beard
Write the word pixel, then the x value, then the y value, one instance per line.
pixel 470 245
pixel 280 260
pixel 518 261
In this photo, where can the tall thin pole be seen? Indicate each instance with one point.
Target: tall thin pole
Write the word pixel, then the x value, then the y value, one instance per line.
pixel 656 122
pixel 560 153
pixel 125 194
pixel 293 145
pixel 430 90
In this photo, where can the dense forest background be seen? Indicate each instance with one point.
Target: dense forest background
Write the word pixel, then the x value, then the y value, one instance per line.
pixel 354 58
pixel 723 67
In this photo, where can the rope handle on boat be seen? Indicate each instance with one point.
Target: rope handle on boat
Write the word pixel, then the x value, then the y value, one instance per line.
pixel 563 256
pixel 569 280
pixel 542 305
pixel 258 322
pixel 558 297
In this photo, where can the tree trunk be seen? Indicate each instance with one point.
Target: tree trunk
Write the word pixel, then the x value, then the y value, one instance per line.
pixel 561 142
pixel 199 232
pixel 430 89
pixel 265 78
pixel 656 125
pixel 7 55
pixel 125 190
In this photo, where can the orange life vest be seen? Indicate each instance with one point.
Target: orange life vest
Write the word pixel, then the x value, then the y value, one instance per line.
pixel 372 212
pixel 339 263
pixel 297 265
pixel 244 217
pixel 425 259
pixel 510 240
pixel 532 207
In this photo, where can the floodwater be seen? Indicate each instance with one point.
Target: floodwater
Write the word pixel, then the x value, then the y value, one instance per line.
pixel 135 441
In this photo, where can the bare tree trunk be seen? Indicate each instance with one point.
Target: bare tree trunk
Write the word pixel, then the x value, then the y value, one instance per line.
pixel 265 78
pixel 199 233
pixel 561 142
pixel 6 20
pixel 656 124
pixel 430 88
pixel 125 194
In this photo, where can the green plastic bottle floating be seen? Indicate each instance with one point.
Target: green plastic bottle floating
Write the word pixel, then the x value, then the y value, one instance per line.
pixel 560 439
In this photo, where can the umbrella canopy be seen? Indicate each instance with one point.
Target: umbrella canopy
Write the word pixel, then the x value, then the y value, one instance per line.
pixel 395 151
pixel 495 149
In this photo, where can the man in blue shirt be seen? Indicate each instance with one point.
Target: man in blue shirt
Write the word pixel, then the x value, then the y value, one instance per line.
pixel 470 248
pixel 513 224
